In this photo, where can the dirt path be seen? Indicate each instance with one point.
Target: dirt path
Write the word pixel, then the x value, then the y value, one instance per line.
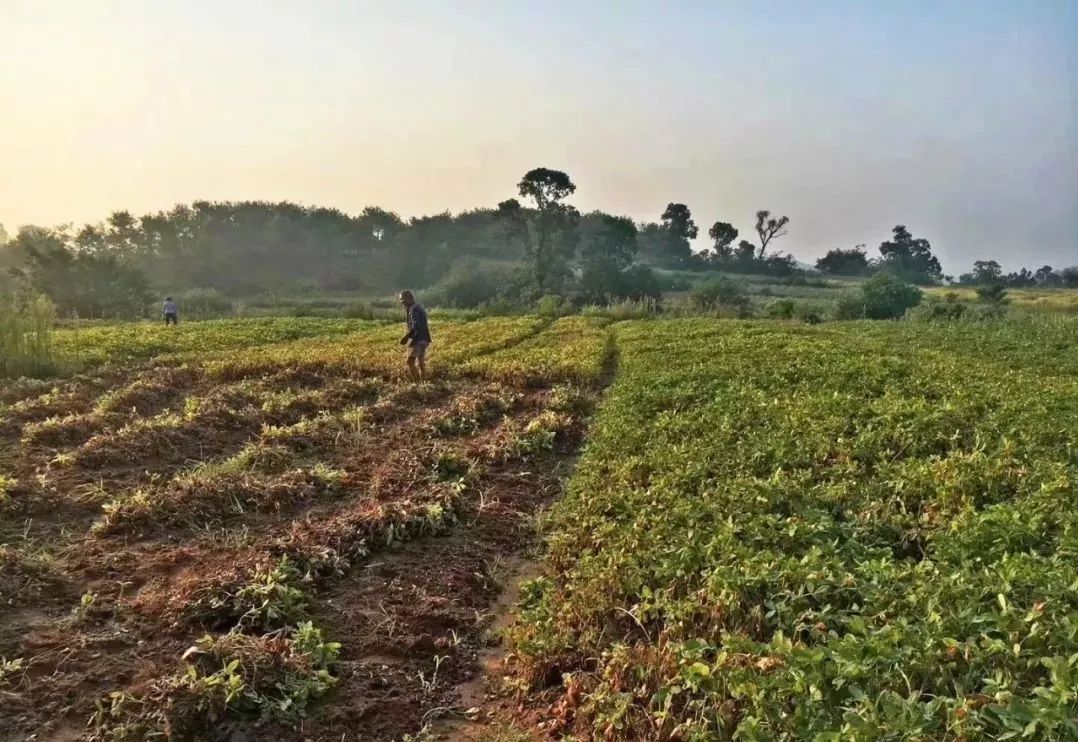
pixel 420 624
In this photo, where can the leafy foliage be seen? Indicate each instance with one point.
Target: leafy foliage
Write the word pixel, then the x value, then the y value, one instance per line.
pixel 909 258
pixel 882 297
pixel 839 262
pixel 785 532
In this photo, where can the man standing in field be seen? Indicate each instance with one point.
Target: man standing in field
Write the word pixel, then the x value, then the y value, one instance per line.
pixel 171 317
pixel 418 337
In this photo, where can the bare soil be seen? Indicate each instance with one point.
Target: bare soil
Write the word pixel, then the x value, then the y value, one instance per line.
pixel 92 610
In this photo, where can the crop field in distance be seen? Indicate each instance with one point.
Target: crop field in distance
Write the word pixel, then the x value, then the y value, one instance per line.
pixel 260 529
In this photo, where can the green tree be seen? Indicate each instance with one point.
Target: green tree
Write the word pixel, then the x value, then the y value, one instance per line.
pixel 839 262
pixel 1047 276
pixel 722 235
pixel 986 271
pixel 79 281
pixel 547 228
pixel 769 228
pixel 678 228
pixel 910 258
pixel 608 238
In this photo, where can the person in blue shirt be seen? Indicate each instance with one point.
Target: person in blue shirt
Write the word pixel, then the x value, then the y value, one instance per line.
pixel 169 310
pixel 418 337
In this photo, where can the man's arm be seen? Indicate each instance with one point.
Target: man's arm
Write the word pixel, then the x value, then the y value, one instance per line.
pixel 411 329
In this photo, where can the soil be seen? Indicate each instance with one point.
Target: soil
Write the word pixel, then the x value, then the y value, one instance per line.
pixel 92 611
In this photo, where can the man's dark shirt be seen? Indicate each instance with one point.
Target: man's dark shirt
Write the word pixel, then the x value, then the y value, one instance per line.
pixel 418 332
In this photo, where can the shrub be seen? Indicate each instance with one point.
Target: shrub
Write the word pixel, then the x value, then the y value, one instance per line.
pixel 624 310
pixel 26 331
pixel 602 280
pixel 781 309
pixel 721 292
pixel 638 282
pixel 949 308
pixel 882 297
pixel 358 310
pixel 552 305
pixel 470 285
pixel 203 303
pixel 993 294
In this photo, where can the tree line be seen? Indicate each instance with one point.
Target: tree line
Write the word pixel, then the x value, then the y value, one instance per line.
pixel 912 260
pixel 533 244
pixel 114 268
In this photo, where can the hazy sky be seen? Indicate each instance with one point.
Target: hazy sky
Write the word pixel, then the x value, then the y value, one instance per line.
pixel 957 119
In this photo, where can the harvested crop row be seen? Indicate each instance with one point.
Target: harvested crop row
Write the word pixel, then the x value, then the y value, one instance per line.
pixel 815 533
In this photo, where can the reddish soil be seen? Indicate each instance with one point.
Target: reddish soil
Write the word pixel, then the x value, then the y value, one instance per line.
pixel 90 612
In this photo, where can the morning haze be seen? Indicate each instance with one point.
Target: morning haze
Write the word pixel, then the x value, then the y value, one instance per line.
pixel 957 120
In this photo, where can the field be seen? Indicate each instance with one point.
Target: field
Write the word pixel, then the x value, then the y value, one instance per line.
pixel 258 529
pixel 1037 299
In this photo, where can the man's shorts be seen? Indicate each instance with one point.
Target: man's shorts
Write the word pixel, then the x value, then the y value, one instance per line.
pixel 418 351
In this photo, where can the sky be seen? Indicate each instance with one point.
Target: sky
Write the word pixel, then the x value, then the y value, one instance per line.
pixel 956 119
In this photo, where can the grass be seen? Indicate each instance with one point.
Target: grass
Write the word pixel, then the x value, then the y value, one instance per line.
pixel 1064 301
pixel 27 336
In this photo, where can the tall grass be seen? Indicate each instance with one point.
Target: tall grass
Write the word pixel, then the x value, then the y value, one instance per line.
pixel 26 333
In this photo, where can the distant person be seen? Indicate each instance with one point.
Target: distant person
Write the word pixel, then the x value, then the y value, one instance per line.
pixel 418 337
pixel 171 316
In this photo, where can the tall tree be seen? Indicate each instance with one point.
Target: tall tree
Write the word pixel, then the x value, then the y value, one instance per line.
pixel 1047 276
pixel 769 228
pixel 547 228
pixel 910 258
pixel 722 235
pixel 608 246
pixel 678 228
pixel 986 272
pixel 609 239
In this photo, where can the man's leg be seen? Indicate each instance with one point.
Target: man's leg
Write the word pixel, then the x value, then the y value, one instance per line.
pixel 421 357
pixel 412 373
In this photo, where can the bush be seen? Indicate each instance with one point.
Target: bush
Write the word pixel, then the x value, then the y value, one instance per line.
pixel 26 325
pixel 552 305
pixel 639 282
pixel 601 281
pixel 721 292
pixel 994 294
pixel 882 297
pixel 203 303
pixel 947 309
pixel 470 284
pixel 781 309
pixel 358 310
pixel 623 310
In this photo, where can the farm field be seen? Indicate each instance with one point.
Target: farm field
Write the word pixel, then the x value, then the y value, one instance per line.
pixel 210 541
pixel 255 529
pixel 847 532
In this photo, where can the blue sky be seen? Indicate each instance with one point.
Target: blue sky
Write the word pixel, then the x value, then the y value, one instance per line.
pixel 957 119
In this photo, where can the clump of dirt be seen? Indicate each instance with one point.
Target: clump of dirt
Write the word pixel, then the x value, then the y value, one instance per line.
pixel 19 389
pixel 25 580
